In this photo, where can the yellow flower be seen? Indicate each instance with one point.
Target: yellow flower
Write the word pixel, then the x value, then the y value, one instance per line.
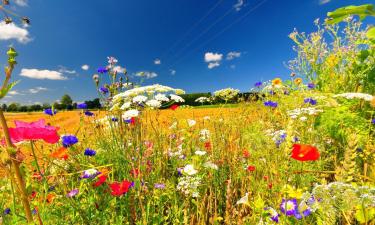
pixel 277 81
pixel 298 81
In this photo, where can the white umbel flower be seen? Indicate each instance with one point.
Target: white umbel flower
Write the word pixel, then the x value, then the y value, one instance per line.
pixel 130 113
pixel 153 103
pixel 189 170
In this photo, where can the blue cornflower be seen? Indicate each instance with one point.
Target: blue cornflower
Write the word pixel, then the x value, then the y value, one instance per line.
pixel 51 188
pixel 114 119
pixel 311 85
pixel 102 70
pixel 69 140
pixel 295 139
pixel 50 112
pixel 88 113
pixel 104 90
pixel 258 84
pixel 373 121
pixel 90 174
pixel 89 152
pixel 270 104
pixel 310 101
pixel 274 216
pixel 272 92
pixel 7 211
pixel 34 212
pixel 159 186
pixel 82 106
pixel 289 207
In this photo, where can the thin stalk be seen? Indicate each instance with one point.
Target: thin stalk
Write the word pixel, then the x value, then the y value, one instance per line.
pixel 17 170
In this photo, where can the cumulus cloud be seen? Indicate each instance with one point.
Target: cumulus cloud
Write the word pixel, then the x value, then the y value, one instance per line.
pixel 37 90
pixel 213 59
pixel 147 74
pixel 85 67
pixel 12 31
pixel 21 2
pixel 322 2
pixel 238 6
pixel 212 65
pixel 233 55
pixel 157 61
pixel 42 74
pixel 173 72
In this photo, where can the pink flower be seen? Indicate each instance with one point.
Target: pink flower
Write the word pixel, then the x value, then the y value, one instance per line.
pixel 34 131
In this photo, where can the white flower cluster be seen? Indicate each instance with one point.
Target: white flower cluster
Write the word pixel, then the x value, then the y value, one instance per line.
pixel 203 99
pixel 295 113
pixel 152 96
pixel 363 96
pixel 188 185
pixel 275 134
pixel 227 93
pixel 204 134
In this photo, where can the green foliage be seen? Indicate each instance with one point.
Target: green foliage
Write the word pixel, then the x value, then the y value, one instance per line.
pixel 340 14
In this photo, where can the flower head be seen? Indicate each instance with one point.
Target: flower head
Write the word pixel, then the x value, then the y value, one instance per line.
pixel 101 180
pixel 274 216
pixel 90 173
pixel 277 82
pixel 82 106
pixel 104 90
pixel 270 104
pixel 289 207
pixel 102 70
pixel 33 131
pixel 373 121
pixel 89 152
pixel 69 140
pixel 88 113
pixel 119 189
pixel 310 101
pixel 298 81
pixel 50 112
pixel 303 152
pixel 189 170
pixel 258 84
pixel 7 211
pixel 159 186
pixel 311 85
pixel 174 107
pixel 62 153
pixel 72 193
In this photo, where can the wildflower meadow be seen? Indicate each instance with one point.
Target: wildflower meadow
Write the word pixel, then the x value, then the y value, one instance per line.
pixel 298 150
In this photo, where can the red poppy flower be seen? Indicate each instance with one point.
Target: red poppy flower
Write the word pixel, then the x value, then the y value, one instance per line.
pixel 119 189
pixel 33 131
pixel 62 153
pixel 135 172
pixel 251 168
pixel 101 180
pixel 174 107
pixel 207 145
pixel 33 195
pixel 246 153
pixel 303 152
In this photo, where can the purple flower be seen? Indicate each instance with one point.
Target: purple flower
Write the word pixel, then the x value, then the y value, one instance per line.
pixel 258 84
pixel 69 140
pixel 289 207
pixel 89 152
pixel 295 139
pixel 286 92
pixel 104 90
pixel 373 121
pixel 50 112
pixel 82 106
pixel 72 193
pixel 114 119
pixel 159 186
pixel 90 173
pixel 88 113
pixel 272 92
pixel 34 212
pixel 311 85
pixel 274 216
pixel 102 70
pixel 270 104
pixel 7 211
pixel 310 101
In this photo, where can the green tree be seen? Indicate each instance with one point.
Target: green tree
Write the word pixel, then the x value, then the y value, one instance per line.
pixel 66 102
pixel 13 107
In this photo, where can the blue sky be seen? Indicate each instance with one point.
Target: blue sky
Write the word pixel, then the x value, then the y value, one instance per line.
pixel 65 35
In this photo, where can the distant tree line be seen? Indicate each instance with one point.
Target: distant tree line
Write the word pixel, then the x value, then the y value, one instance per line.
pixel 66 103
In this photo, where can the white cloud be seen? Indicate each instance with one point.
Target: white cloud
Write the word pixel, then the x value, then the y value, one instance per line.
pixel 233 67
pixel 212 65
pixel 233 55
pixel 12 31
pixel 65 70
pixel 147 74
pixel 322 2
pixel 238 6
pixel 157 61
pixel 213 57
pixel 42 74
pixel 173 72
pixel 21 2
pixel 37 90
pixel 14 92
pixel 85 67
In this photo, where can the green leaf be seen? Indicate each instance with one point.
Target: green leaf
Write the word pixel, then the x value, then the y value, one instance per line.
pixel 371 33
pixel 341 13
pixel 4 92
